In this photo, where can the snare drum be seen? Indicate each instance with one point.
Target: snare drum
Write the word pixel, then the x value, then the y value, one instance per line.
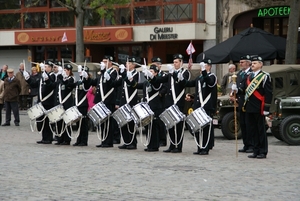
pixel 72 115
pixel 142 114
pixel 198 119
pixel 172 116
pixel 123 115
pixel 55 114
pixel 36 111
pixel 99 113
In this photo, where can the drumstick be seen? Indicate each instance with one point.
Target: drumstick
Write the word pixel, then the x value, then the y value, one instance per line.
pixel 127 65
pixel 62 62
pixel 73 63
pixel 24 65
pixel 84 63
pixel 115 63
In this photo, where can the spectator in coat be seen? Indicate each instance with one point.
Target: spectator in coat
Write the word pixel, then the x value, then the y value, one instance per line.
pixel 23 96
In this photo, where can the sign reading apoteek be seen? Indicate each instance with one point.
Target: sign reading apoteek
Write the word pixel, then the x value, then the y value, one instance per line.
pixel 279 11
pixel 163 33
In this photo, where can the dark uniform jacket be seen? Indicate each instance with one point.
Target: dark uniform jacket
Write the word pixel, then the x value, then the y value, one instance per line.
pixel 131 87
pixel 82 89
pixel 34 91
pixel 66 87
pixel 253 104
pixel 208 84
pixel 178 87
pixel 12 90
pixel 241 77
pixel 107 85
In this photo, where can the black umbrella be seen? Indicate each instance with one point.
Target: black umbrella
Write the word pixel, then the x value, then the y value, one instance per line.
pixel 251 41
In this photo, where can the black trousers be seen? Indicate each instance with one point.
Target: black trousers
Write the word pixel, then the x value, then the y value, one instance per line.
pixel 23 101
pixel 179 133
pixel 207 140
pixel 246 136
pixel 44 127
pixel 154 139
pixel 256 128
pixel 14 107
pixel 162 132
pixel 84 129
pixel 1 107
pixel 109 129
pixel 127 134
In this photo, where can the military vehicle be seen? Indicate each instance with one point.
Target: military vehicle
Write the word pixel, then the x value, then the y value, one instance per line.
pixel 284 120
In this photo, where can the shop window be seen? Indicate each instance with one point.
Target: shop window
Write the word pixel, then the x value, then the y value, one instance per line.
pixel 123 54
pixel 11 4
pixel 177 12
pixel 10 21
pixel 285 22
pixel 137 52
pixel 122 16
pixel 35 20
pixel 35 3
pixel 276 27
pixel 51 53
pixel 147 14
pixel 200 12
pixel 61 19
pixel 66 53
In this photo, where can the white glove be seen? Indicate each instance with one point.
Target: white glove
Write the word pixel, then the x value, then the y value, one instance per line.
pixel 45 76
pixel 234 88
pixel 42 66
pixel 202 65
pixel 122 68
pixel 102 66
pixel 149 74
pixel 60 69
pixel 129 75
pixel 180 76
pixel 79 68
pixel 144 68
pixel 170 68
pixel 266 113
pixel 84 74
pixel 26 75
pixel 64 74
pixel 106 76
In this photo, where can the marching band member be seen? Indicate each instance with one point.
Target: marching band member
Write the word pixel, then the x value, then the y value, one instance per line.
pixel 66 99
pixel 257 88
pixel 129 96
pixel 46 95
pixel 106 93
pixel 82 87
pixel 175 95
pixel 161 126
pixel 152 95
pixel 205 97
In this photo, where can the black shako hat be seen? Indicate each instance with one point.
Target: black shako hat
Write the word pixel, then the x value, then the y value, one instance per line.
pixel 245 57
pixel 131 59
pixel 177 56
pixel 206 60
pixel 68 66
pixel 108 57
pixel 156 59
pixel 154 67
pixel 256 58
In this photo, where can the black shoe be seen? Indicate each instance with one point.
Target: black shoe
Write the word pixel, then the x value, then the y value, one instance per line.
pixel 76 144
pixel 65 143
pixel 203 152
pixel 99 145
pixel 57 143
pixel 176 150
pixel 131 147
pixel 252 156
pixel 116 142
pixel 82 144
pixel 242 150
pixel 151 149
pixel 39 142
pixel 17 124
pixel 167 150
pixel 249 151
pixel 47 142
pixel 197 152
pixel 261 156
pixel 106 145
pixel 124 146
pixel 5 124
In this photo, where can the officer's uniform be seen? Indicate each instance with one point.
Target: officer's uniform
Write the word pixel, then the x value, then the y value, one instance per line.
pixel 255 105
pixel 207 99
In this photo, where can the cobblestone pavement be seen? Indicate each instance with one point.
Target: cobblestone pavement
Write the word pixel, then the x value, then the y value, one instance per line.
pixel 30 171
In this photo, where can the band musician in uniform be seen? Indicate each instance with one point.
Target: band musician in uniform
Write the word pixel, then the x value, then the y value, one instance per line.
pixel 258 96
pixel 175 96
pixel 206 97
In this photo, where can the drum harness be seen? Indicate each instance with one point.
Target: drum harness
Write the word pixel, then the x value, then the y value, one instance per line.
pixel 43 120
pixel 128 100
pixel 203 102
pixel 106 124
pixel 176 99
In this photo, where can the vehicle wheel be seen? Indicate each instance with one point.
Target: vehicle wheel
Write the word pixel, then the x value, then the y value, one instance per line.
pixel 276 134
pixel 227 126
pixel 290 130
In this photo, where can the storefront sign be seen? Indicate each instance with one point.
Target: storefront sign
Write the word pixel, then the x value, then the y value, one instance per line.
pixel 280 11
pixel 163 33
pixel 69 36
